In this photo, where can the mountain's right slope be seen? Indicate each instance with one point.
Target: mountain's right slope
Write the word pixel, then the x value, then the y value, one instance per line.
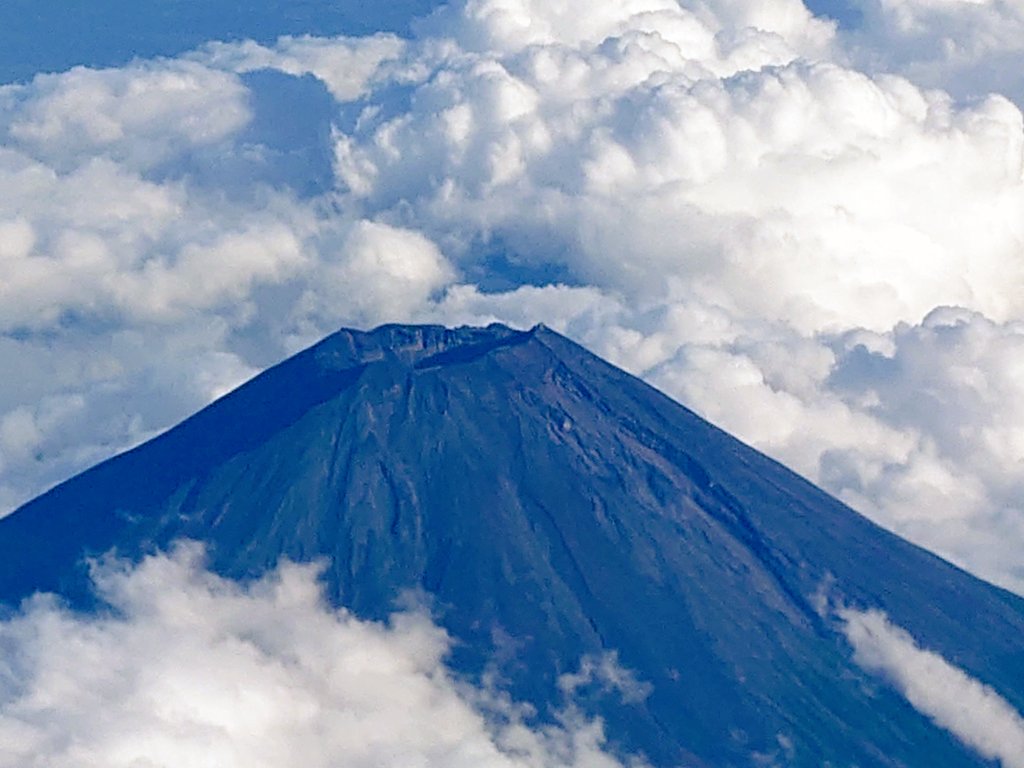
pixel 556 509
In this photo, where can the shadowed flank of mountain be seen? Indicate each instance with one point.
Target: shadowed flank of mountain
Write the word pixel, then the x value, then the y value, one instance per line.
pixel 553 507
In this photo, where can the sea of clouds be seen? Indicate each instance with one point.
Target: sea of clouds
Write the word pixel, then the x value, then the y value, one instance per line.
pixel 812 235
pixel 185 669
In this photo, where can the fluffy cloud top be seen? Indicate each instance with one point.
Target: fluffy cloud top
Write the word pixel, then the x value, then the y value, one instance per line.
pixel 972 711
pixel 813 236
pixel 969 47
pixel 133 114
pixel 189 670
pixel 785 177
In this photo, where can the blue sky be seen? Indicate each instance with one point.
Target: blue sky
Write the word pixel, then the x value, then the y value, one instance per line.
pixel 55 35
pixel 809 230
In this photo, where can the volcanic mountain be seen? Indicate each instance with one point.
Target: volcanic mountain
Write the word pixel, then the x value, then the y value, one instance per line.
pixel 554 508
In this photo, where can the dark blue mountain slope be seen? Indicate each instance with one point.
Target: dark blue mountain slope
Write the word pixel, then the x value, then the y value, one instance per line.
pixel 553 506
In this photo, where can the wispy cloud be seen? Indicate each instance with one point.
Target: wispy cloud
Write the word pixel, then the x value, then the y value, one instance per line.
pixel 972 711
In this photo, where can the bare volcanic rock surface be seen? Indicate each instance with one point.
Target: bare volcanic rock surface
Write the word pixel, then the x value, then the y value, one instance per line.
pixel 553 508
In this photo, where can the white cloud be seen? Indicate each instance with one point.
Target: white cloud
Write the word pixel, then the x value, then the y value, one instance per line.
pixel 972 711
pixel 188 669
pixel 142 115
pixel 728 35
pixel 16 239
pixel 661 185
pixel 345 65
pixel 102 239
pixel 381 274
pixel 968 47
pixel 605 671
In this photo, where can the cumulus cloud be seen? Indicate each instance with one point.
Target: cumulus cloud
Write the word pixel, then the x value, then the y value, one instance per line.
pixel 345 65
pixel 755 211
pixel 733 35
pixel 782 177
pixel 955 380
pixel 187 669
pixel 384 274
pixel 967 47
pixel 141 115
pixel 972 711
pixel 918 427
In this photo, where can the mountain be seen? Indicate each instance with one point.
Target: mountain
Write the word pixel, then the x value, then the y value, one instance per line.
pixel 552 506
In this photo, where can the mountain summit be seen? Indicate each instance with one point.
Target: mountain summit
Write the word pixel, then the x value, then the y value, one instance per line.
pixel 554 508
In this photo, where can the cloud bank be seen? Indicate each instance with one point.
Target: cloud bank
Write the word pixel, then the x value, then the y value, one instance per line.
pixel 813 236
pixel 970 710
pixel 186 669
pixel 968 47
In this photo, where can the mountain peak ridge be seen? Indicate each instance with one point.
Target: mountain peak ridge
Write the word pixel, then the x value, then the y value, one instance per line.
pixel 411 343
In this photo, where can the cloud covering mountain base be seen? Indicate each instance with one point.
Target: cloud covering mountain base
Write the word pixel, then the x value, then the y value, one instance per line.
pixel 185 669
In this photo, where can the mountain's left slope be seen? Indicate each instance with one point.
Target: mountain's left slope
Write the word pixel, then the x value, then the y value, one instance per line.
pixel 555 507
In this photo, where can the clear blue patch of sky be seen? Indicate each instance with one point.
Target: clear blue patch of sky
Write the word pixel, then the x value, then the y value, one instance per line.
pixel 846 12
pixel 55 35
pixel 505 266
